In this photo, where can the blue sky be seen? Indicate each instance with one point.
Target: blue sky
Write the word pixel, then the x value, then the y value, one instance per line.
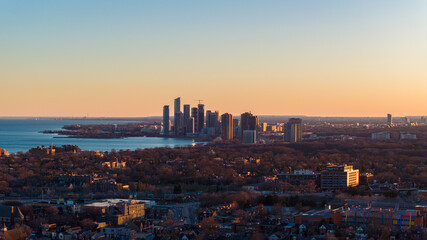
pixel 329 57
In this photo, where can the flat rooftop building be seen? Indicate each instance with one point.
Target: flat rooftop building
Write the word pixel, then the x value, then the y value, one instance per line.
pixel 339 177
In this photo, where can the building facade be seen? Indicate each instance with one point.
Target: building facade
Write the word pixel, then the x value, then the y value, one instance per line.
pixel 293 130
pixel 248 122
pixel 186 118
pixel 380 135
pixel 339 177
pixel 200 117
pixel 194 115
pixel 166 126
pixel 389 120
pixel 226 126
pixel 249 136
pixel 177 116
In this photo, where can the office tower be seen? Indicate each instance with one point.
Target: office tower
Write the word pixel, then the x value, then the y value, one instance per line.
pixel 166 119
pixel 200 117
pixel 208 115
pixel 212 119
pixel 293 130
pixel 212 123
pixel 179 119
pixel 190 125
pixel 264 127
pixel 194 115
pixel 249 136
pixel 389 119
pixel 226 126
pixel 186 117
pixel 407 120
pixel 254 123
pixel 235 127
pixel 177 116
pixel 339 177
pixel 248 122
pixel 177 105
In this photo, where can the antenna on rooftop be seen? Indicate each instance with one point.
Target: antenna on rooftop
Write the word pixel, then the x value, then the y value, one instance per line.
pixel 200 100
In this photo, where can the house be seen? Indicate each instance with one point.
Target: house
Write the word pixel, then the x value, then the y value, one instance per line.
pixel 277 236
pixel 117 232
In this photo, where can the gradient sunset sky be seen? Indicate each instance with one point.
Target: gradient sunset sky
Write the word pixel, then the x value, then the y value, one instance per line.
pixel 129 58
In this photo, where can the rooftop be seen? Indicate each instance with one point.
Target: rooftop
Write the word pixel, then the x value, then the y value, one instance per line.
pixel 114 201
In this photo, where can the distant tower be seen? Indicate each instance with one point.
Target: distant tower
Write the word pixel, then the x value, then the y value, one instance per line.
pixel 212 119
pixel 194 115
pixel 264 127
pixel 235 127
pixel 389 120
pixel 215 123
pixel 186 117
pixel 248 122
pixel 200 117
pixel 177 105
pixel 177 116
pixel 178 119
pixel 190 125
pixel 166 126
pixel 293 130
pixel 208 118
pixel 226 126
pixel 407 120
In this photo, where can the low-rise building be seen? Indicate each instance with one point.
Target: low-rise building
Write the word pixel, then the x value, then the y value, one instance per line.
pixel 404 136
pixel 119 211
pixel 400 219
pixel 249 136
pixel 339 177
pixel 380 135
pixel 299 177
pixel 366 178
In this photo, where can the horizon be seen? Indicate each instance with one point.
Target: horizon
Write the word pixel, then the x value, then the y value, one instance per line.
pixel 114 59
pixel 234 115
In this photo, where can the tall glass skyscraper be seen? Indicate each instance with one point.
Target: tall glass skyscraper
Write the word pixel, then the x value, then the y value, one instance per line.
pixel 200 117
pixel 293 130
pixel 177 116
pixel 166 126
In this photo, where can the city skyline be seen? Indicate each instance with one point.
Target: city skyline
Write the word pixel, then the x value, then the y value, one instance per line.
pixel 210 120
pixel 329 58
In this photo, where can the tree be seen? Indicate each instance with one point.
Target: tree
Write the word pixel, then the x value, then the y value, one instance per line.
pixel 87 224
pixel 210 226
pixel 51 210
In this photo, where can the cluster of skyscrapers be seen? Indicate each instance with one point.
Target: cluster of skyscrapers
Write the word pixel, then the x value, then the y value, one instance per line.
pixel 189 122
pixel 192 122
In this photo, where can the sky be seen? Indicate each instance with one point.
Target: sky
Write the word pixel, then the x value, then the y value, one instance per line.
pixel 129 58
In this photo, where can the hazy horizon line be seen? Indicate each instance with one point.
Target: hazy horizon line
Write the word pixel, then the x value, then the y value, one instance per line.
pixel 159 116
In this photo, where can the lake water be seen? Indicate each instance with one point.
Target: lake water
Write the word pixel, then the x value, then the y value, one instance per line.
pixel 19 135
